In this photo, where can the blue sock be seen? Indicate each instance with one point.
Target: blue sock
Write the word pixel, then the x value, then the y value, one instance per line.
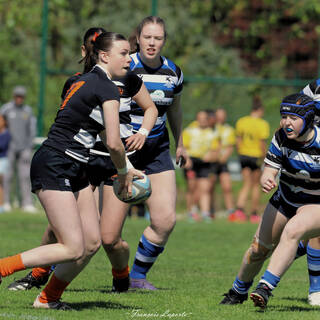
pixel 313 259
pixel 241 286
pixel 301 251
pixel 146 255
pixel 270 279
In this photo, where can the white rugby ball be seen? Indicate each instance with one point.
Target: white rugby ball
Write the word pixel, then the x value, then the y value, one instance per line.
pixel 141 190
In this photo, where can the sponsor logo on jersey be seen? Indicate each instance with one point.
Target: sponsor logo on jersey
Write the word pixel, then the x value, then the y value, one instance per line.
pixel 170 83
pixel 158 94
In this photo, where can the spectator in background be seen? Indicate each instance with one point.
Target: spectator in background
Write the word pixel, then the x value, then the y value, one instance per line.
pixel 227 140
pixel 22 129
pixel 4 146
pixel 202 146
pixel 251 133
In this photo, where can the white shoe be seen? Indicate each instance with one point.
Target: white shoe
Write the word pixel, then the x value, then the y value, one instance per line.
pixel 29 209
pixel 7 207
pixel 57 305
pixel 314 298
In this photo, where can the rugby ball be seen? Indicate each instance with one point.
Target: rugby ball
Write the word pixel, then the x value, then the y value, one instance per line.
pixel 141 190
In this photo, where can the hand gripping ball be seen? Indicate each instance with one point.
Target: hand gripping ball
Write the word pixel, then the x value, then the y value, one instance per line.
pixel 141 190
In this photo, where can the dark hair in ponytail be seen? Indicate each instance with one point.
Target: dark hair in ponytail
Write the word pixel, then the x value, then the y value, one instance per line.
pixel 90 34
pixel 103 42
pixel 134 46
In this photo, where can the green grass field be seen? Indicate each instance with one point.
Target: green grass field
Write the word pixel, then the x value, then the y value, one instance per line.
pixel 197 267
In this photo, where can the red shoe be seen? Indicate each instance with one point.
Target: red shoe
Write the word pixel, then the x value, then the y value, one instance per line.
pixel 254 218
pixel 237 216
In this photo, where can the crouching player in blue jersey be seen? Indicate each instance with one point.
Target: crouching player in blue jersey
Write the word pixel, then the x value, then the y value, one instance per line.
pixel 294 152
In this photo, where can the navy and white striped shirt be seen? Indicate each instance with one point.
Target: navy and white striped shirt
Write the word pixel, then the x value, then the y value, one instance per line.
pixel 163 84
pixel 299 167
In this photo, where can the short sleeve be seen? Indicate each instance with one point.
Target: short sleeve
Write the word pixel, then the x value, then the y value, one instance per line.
pixel 133 83
pixel 106 91
pixel 179 85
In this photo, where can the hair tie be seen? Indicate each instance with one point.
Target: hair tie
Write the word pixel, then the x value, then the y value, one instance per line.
pixel 96 34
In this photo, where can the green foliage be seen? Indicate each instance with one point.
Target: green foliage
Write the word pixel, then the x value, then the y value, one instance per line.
pixel 198 41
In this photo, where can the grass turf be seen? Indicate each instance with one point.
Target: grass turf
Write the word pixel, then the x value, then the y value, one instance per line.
pixel 199 265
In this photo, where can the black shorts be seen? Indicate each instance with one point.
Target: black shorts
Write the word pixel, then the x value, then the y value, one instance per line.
pixel 53 170
pixel 154 157
pixel 220 168
pixel 101 169
pixel 202 169
pixel 249 162
pixel 282 205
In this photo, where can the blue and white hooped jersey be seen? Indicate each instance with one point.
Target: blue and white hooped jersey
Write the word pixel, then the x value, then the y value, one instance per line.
pixel 163 84
pixel 299 167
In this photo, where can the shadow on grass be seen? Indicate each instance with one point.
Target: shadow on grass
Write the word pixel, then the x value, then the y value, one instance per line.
pixel 108 290
pixel 102 305
pixel 287 309
pixel 302 300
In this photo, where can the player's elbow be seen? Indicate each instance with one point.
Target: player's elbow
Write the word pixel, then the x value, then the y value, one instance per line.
pixel 114 145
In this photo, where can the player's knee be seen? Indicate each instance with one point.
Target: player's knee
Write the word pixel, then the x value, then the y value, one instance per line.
pixel 293 232
pixel 166 226
pixel 76 253
pixel 258 251
pixel 109 239
pixel 112 244
pixel 92 246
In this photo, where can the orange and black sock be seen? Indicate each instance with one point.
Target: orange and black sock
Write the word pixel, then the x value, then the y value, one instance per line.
pixel 53 290
pixel 38 273
pixel 11 265
pixel 120 274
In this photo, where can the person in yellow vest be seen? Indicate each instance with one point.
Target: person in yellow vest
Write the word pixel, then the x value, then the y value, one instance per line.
pixel 202 146
pixel 227 140
pixel 251 132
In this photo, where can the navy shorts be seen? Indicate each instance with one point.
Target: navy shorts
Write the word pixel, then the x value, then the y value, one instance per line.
pixel 249 162
pixel 154 157
pixel 282 205
pixel 53 170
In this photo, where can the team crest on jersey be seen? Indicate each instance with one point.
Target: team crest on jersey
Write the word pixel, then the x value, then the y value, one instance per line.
pixel 316 159
pixel 120 91
pixel 315 165
pixel 169 83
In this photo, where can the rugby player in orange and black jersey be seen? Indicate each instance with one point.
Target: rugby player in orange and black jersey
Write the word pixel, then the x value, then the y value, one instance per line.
pixel 128 87
pixel 100 167
pixel 79 120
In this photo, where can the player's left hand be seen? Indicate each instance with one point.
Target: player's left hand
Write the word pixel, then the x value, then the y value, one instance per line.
pixel 135 142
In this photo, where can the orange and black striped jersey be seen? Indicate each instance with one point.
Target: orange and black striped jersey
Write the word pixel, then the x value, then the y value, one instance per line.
pixel 79 119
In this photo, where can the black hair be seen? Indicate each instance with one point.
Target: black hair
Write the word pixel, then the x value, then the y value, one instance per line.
pixel 90 34
pixel 103 42
pixel 134 46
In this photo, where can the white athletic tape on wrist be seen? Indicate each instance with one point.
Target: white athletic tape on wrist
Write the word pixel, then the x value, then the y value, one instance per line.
pixel 144 131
